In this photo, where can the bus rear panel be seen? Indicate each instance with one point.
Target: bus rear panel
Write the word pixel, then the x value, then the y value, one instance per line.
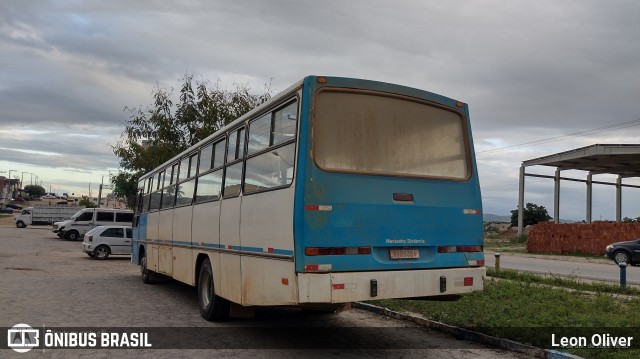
pixel 387 198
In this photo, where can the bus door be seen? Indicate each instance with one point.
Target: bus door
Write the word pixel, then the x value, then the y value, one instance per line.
pixel 231 282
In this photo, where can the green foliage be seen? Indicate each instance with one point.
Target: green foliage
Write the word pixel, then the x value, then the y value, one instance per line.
pixel 160 131
pixel 35 190
pixel 532 214
pixel 490 230
pixel 87 202
pixel 631 220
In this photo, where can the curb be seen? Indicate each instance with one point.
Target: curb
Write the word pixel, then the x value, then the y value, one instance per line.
pixel 466 334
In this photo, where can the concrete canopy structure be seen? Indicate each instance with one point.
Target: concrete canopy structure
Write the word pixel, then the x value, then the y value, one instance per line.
pixel 622 160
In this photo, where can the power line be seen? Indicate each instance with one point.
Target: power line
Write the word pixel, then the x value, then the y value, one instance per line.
pixel 592 131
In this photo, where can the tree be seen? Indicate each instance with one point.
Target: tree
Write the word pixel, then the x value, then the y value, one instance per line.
pixel 35 190
pixel 157 133
pixel 532 214
pixel 87 202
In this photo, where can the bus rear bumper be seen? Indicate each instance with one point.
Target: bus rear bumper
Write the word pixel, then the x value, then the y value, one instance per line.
pixel 356 286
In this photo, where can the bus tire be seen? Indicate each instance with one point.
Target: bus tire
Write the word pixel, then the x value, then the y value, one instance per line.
pixel 20 224
pixel 212 307
pixel 148 276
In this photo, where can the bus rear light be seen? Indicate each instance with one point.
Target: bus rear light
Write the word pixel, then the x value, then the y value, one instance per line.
pixel 468 281
pixel 90 238
pixel 336 251
pixel 403 197
pixel 454 249
pixel 322 80
pixel 446 249
pixel 317 267
pixel 316 207
pixel 476 263
pixel 338 286
pixel 469 248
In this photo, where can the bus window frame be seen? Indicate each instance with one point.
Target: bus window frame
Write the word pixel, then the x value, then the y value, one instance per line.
pixel 188 157
pixel 212 169
pixel 294 99
pixel 239 158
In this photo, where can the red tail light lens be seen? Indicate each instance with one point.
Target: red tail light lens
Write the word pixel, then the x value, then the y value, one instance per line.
pixel 336 251
pixel 90 238
pixel 454 249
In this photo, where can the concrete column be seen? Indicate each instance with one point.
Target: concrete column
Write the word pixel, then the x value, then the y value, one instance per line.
pixel 556 198
pixel 521 202
pixel 619 199
pixel 589 197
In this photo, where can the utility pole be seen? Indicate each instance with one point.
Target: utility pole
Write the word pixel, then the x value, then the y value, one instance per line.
pixel 100 192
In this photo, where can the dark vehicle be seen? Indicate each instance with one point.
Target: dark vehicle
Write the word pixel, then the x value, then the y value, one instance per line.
pixel 19 199
pixel 14 206
pixel 6 210
pixel 628 252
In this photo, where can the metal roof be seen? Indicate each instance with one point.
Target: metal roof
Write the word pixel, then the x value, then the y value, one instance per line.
pixel 621 159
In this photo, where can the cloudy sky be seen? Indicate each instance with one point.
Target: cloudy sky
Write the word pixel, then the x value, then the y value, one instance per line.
pixel 529 70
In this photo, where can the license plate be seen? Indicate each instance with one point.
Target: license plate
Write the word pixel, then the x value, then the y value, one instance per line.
pixel 404 253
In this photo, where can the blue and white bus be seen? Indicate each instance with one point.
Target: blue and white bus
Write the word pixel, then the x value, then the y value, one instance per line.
pixel 335 190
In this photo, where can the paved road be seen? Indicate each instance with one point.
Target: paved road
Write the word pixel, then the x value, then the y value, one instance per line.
pixel 600 270
pixel 48 281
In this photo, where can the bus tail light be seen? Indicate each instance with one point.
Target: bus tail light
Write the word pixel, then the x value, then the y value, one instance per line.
pixel 90 238
pixel 317 268
pixel 454 249
pixel 468 281
pixel 336 251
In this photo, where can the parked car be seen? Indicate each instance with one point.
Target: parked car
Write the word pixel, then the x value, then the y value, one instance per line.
pixel 102 241
pixel 18 199
pixel 628 252
pixel 6 210
pixel 14 206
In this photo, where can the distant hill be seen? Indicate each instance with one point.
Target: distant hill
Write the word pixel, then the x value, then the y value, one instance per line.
pixel 488 217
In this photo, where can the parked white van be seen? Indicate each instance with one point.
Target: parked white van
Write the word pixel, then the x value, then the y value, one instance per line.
pixel 88 218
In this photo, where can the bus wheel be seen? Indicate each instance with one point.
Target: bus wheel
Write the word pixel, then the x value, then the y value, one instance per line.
pixel 212 307
pixel 148 276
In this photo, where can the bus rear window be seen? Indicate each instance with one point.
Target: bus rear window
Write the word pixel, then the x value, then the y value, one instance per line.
pixel 379 134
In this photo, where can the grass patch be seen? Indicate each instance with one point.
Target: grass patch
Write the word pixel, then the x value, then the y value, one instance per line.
pixel 572 283
pixel 522 311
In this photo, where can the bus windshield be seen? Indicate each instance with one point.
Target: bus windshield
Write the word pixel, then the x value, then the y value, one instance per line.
pixel 376 133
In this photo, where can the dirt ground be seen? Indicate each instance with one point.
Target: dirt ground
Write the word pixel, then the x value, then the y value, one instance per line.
pixel 48 282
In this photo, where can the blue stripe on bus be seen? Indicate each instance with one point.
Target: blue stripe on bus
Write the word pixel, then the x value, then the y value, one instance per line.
pixel 287 252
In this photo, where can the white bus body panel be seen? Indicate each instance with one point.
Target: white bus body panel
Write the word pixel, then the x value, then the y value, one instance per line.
pixel 355 286
pixel 182 268
pixel 206 223
pixel 267 223
pixel 152 236
pixel 231 283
